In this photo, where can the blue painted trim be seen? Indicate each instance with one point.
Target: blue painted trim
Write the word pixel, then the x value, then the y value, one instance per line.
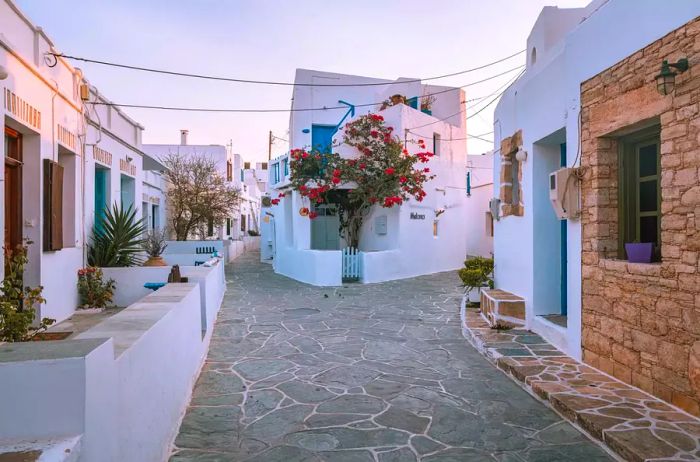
pixel 563 251
pixel 351 113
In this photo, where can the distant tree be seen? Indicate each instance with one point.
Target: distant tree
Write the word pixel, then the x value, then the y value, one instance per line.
pixel 197 195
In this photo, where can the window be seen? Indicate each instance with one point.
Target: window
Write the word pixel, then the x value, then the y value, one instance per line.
pixel 246 165
pixel 242 174
pixel 53 205
pixel 322 137
pixel 286 167
pixel 515 179
pixel 640 193
pixel 13 188
pixel 229 171
pixel 243 228
pixel 145 209
pixel 276 172
pixel 228 226
pixel 533 56
pixel 101 194
pixel 436 144
pixel 264 166
pixel 155 217
pixel 210 228
pixel 128 191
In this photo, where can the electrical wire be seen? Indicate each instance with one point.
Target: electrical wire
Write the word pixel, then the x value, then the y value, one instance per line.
pixel 502 87
pixel 272 82
pixel 326 108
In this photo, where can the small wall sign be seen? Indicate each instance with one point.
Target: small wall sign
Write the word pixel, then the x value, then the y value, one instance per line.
pixel 416 216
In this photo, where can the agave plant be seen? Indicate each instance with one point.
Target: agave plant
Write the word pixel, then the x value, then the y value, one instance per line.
pixel 117 240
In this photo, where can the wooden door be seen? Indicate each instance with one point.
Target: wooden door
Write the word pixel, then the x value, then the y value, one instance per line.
pixel 13 188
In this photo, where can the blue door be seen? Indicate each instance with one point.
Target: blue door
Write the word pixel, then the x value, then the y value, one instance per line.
pixel 322 137
pixel 101 198
pixel 562 162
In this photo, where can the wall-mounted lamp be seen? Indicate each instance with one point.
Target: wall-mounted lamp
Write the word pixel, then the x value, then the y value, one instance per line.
pixel 666 80
pixel 521 155
pixel 3 73
pixel 129 159
pixel 306 130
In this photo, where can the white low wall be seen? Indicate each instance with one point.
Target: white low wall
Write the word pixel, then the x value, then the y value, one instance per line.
pixel 235 249
pixel 123 384
pixel 212 285
pixel 129 281
pixel 316 267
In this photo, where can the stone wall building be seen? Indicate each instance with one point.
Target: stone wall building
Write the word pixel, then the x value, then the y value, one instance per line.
pixel 641 321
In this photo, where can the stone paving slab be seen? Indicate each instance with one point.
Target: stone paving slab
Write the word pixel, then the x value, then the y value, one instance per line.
pixel 635 425
pixel 376 372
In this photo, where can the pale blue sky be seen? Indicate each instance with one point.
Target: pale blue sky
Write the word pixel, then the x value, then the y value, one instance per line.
pixel 268 40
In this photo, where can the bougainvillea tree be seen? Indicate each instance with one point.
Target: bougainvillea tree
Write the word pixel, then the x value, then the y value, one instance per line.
pixel 383 173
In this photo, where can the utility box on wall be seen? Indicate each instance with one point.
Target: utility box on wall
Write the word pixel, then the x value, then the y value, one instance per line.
pixel 380 225
pixel 564 193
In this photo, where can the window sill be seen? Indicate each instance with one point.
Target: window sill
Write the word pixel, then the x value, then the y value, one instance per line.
pixel 624 266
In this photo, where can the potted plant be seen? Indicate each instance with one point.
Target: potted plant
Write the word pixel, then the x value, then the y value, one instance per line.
pixel 95 293
pixel 639 252
pixel 476 273
pixel 154 245
pixel 426 104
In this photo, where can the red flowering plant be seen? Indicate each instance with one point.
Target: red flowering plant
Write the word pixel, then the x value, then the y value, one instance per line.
pixel 384 173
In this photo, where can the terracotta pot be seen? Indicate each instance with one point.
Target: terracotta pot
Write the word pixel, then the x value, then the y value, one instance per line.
pixel 155 261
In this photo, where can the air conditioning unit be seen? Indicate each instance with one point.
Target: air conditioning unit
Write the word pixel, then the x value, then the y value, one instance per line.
pixel 564 193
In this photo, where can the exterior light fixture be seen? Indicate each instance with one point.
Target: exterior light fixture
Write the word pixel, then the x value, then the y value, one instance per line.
pixel 3 73
pixel 521 155
pixel 666 80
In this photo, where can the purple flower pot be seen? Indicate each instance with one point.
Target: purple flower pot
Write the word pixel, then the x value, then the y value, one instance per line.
pixel 639 252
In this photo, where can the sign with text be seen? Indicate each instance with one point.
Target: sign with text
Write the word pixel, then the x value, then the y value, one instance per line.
pixel 416 216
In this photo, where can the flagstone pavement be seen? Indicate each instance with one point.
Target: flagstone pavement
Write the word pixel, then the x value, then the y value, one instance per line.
pixel 377 372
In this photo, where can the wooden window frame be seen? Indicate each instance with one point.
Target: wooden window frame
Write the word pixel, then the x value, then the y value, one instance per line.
pixel 53 206
pixel 628 187
pixel 14 162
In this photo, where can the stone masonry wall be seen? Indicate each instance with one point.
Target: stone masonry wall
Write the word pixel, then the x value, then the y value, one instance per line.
pixel 641 322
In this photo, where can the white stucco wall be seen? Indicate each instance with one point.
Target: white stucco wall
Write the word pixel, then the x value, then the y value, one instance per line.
pixel 543 103
pixel 112 385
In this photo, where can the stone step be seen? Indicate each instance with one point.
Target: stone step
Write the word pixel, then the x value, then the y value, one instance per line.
pixel 501 307
pixel 634 425
pixel 41 450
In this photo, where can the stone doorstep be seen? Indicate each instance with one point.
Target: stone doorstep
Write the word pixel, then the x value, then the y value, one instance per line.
pixel 632 424
pixel 41 450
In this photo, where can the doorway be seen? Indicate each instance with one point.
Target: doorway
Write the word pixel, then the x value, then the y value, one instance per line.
pixel 550 233
pixel 13 188
pixel 102 175
pixel 325 228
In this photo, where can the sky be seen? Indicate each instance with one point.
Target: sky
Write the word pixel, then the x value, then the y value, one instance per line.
pixel 269 40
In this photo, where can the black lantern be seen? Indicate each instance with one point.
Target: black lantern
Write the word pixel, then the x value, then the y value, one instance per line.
pixel 666 80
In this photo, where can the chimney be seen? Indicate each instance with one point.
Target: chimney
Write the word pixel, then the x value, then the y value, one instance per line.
pixel 183 137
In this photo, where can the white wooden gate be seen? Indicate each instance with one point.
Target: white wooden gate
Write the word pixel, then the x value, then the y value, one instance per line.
pixel 351 264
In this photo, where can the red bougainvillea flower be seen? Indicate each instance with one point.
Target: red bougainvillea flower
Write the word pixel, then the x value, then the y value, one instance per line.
pixel 312 215
pixel 403 179
pixel 389 171
pixel 275 201
pixel 363 166
pixel 304 155
pixel 335 180
pixel 426 170
pixel 374 133
pixel 336 172
pixel 281 195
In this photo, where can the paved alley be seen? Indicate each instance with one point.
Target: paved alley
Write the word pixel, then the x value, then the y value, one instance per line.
pixel 375 372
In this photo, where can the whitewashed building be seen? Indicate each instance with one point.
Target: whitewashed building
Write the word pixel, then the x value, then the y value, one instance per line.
pixel 249 180
pixel 538 256
pixel 479 226
pixel 395 243
pixel 65 158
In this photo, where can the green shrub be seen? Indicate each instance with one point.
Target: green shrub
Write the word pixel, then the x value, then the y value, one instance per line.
pixel 477 272
pixel 117 240
pixel 17 302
